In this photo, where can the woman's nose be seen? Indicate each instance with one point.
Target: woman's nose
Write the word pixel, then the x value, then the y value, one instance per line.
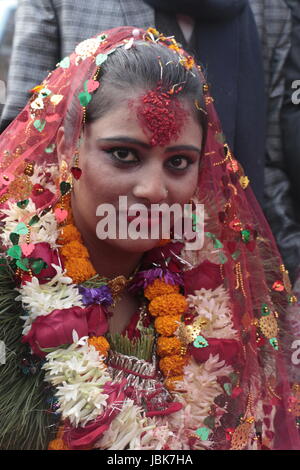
pixel 152 187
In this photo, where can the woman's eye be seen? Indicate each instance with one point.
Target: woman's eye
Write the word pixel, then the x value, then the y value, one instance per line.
pixel 123 155
pixel 179 163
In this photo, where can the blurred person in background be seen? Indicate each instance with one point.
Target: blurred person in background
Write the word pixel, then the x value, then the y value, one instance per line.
pixel 7 16
pixel 290 122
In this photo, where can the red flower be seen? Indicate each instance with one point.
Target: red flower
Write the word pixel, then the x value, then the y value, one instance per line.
pixel 56 329
pixel 227 349
pixel 44 251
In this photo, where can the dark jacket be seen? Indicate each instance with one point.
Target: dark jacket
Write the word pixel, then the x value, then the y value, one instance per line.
pixel 290 116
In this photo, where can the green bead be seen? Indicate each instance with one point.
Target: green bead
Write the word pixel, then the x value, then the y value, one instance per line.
pixel 245 235
pixel 23 264
pixel 38 265
pixel 23 204
pixel 265 310
pixel 14 238
pixel 64 187
pixel 84 98
pixel 15 252
pixel 274 343
pixel 34 220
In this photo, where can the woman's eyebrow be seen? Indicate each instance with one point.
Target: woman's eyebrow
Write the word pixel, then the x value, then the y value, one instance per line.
pixel 131 140
pixel 179 148
pixel 125 140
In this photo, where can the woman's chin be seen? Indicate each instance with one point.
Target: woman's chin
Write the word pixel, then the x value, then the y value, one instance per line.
pixel 133 246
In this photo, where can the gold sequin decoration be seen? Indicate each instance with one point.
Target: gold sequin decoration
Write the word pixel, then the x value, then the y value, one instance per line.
pixel 268 326
pixel 244 181
pixel 29 169
pixel 188 333
pixel 20 188
pixel 239 281
pixel 286 280
pixel 4 198
pixel 241 434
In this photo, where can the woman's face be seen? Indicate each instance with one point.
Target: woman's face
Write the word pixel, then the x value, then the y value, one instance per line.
pixel 117 159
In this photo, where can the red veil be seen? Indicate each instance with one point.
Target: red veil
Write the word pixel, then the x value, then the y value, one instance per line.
pixel 239 251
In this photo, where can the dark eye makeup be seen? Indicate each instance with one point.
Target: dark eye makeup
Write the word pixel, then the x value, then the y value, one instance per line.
pixel 124 156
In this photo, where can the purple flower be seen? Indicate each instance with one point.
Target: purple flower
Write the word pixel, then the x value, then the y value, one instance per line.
pixel 96 295
pixel 145 278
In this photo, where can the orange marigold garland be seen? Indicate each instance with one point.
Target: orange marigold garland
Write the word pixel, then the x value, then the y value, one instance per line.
pixel 168 306
pixel 73 252
pixel 100 343
pixel 167 325
pixel 159 287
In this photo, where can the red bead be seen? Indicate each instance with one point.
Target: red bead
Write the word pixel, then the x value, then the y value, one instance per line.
pixel 76 172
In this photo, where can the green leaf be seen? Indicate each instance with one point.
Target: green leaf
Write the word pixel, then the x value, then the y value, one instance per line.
pixel 84 98
pixel 203 433
pixel 23 204
pixel 50 149
pixel 210 235
pixel 223 258
pixel 274 343
pixel 102 37
pixel 101 58
pixel 21 229
pixel 219 136
pixel 64 187
pixel 234 379
pixel 3 264
pixel 200 342
pixel 65 63
pixel 34 220
pixel 14 238
pixel 235 255
pixel 39 124
pixel 210 422
pixel 38 265
pixel 23 264
pixel 228 388
pixel 15 252
pixel 218 244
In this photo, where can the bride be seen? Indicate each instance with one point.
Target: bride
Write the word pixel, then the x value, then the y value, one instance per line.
pixel 136 342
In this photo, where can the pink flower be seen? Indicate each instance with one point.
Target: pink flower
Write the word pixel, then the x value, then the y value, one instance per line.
pixel 228 350
pixel 44 251
pixel 206 275
pixel 55 329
